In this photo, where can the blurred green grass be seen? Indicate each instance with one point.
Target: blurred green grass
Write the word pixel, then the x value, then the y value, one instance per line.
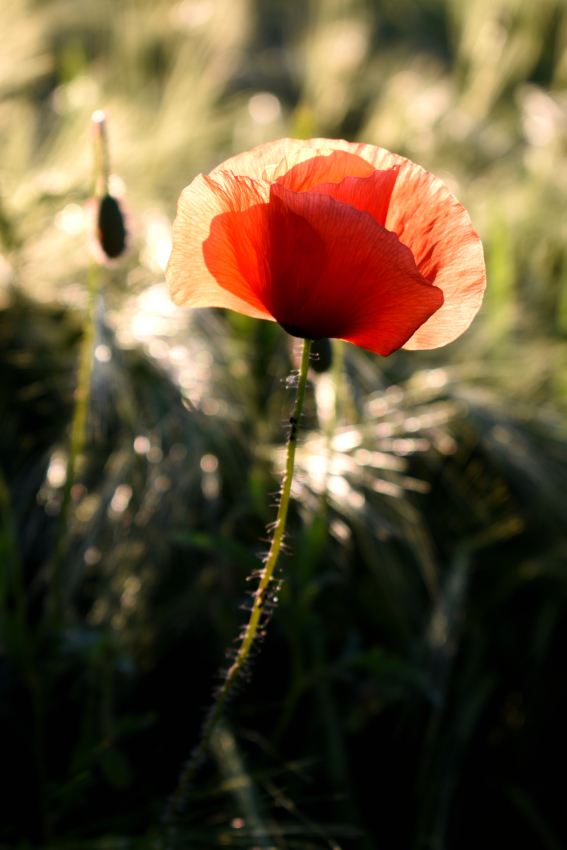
pixel 410 690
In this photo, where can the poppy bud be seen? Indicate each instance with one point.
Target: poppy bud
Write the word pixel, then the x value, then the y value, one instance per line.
pixel 111 227
pixel 321 355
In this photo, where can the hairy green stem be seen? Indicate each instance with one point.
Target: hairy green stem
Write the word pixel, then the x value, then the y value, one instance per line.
pixel 300 682
pixel 260 598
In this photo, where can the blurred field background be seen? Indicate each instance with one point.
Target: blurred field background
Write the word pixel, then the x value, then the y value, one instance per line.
pixel 411 691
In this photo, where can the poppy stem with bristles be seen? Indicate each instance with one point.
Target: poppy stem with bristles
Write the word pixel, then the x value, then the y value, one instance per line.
pixel 261 597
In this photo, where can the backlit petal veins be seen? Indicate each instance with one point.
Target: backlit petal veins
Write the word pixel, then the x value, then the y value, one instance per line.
pixel 252 163
pixel 304 169
pixel 190 281
pixel 371 194
pixel 436 227
pixel 364 287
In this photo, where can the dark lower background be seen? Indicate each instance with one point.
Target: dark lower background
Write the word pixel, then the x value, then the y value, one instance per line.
pixel 410 691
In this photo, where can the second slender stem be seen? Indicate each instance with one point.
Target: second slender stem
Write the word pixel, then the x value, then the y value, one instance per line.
pixel 260 597
pixel 78 441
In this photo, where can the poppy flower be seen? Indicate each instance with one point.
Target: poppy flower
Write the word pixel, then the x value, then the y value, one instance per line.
pixel 330 239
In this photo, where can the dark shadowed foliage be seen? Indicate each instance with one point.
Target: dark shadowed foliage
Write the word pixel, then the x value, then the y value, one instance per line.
pixel 409 691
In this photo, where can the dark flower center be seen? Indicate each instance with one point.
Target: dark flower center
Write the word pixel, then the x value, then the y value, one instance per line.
pixel 293 330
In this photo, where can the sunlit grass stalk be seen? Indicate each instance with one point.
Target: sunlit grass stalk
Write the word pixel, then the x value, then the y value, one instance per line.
pixel 261 597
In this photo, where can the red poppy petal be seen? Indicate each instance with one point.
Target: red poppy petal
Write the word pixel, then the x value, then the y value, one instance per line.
pixel 371 194
pixel 303 169
pixel 447 250
pixel 437 229
pixel 323 268
pixel 189 279
pixel 365 287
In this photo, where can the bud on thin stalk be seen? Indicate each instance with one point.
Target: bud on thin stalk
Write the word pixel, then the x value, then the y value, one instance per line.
pixel 111 230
